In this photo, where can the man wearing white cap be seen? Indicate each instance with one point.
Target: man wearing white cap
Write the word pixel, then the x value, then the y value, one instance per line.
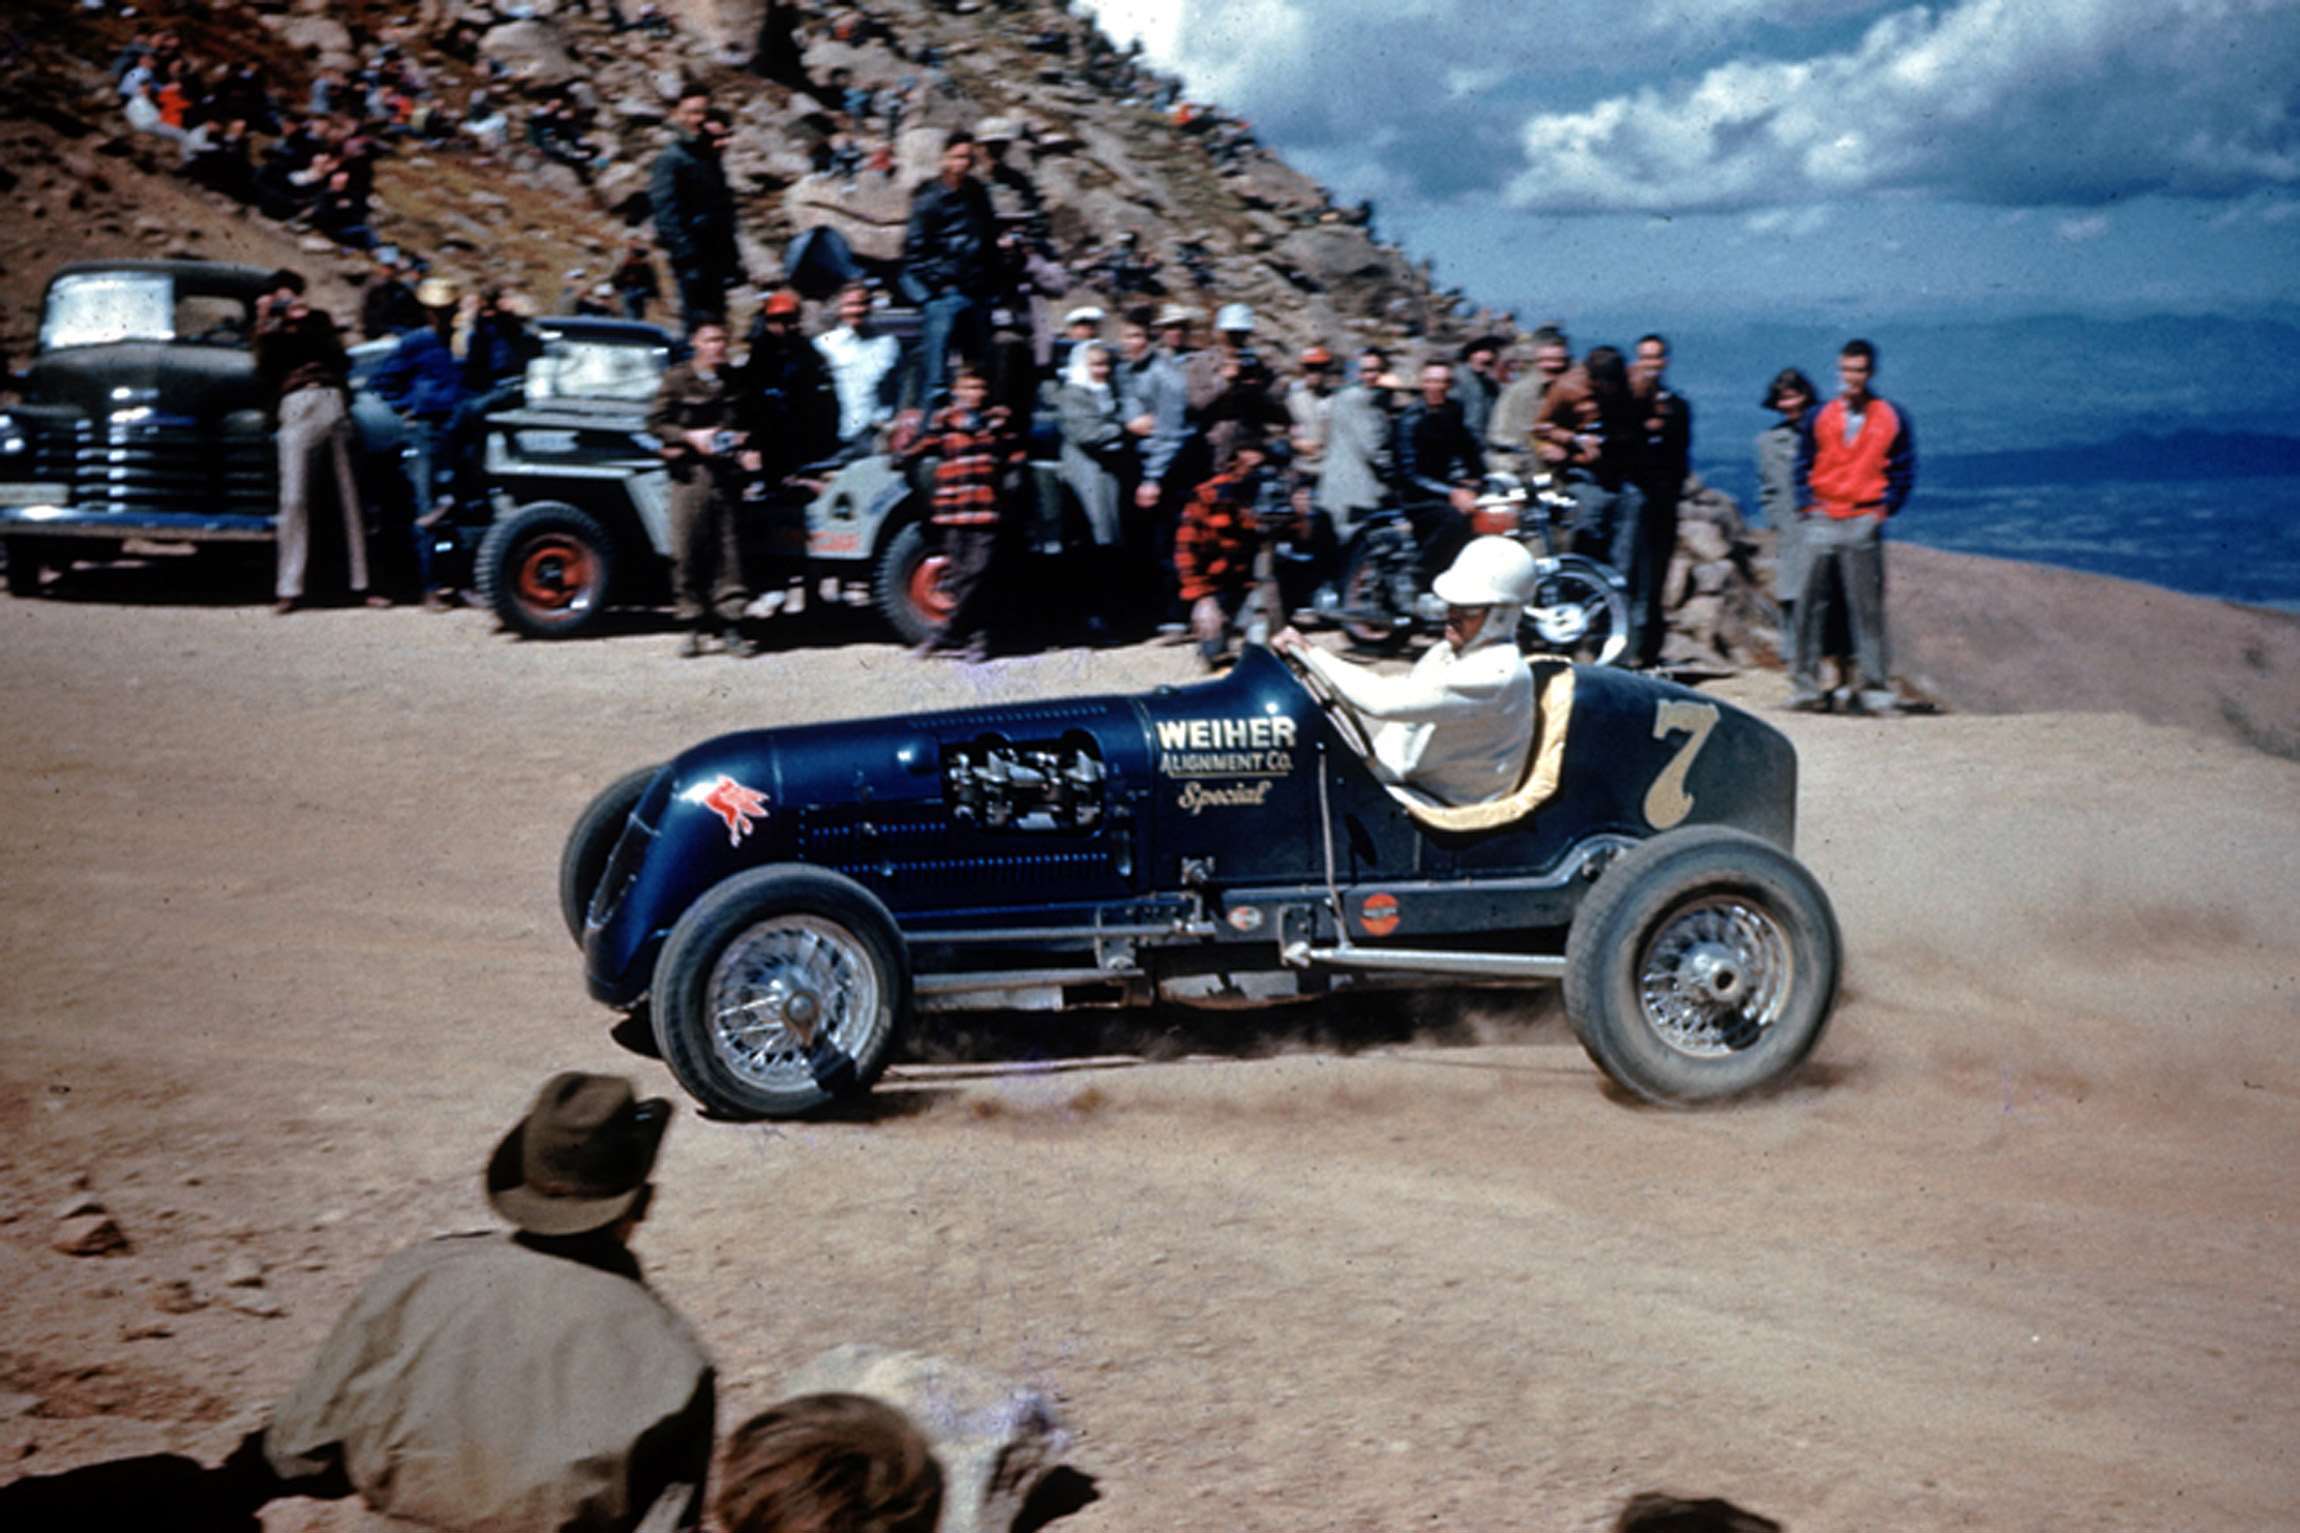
pixel 1458 725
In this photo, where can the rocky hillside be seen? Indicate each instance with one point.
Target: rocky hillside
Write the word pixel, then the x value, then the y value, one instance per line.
pixel 1109 158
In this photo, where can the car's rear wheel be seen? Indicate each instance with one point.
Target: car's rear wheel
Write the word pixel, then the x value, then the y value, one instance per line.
pixel 592 841
pixel 546 570
pixel 780 992
pixel 908 585
pixel 1703 965
pixel 24 566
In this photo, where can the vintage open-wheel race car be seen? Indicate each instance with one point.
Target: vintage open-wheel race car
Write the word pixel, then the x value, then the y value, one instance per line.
pixel 785 902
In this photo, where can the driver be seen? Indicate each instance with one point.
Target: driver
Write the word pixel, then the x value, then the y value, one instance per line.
pixel 1458 725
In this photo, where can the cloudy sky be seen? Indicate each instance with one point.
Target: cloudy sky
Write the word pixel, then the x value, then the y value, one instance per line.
pixel 1822 157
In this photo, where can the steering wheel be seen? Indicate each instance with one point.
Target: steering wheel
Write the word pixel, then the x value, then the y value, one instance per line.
pixel 1339 713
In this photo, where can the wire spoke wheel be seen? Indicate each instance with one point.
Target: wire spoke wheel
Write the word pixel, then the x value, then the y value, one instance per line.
pixel 1577 613
pixel 1702 965
pixel 785 991
pixel 1714 976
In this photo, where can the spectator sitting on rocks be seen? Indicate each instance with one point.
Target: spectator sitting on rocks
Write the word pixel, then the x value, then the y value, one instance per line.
pixel 216 157
pixel 340 213
pixel 145 115
pixel 832 1463
pixel 485 124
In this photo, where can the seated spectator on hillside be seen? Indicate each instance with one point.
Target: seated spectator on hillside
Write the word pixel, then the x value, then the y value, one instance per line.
pixel 216 157
pixel 145 115
pixel 485 124
pixel 865 371
pixel 340 213
pixel 828 1464
pixel 635 279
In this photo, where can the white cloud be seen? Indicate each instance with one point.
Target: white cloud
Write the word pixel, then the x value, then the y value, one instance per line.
pixel 2077 231
pixel 1791 223
pixel 2012 101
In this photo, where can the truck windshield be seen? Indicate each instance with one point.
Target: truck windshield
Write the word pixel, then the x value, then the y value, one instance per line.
pixel 584 369
pixel 99 308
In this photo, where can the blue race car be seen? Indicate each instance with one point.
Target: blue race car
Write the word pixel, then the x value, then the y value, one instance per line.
pixel 787 901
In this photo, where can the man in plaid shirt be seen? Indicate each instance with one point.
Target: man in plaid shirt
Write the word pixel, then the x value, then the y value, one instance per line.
pixel 1220 537
pixel 978 447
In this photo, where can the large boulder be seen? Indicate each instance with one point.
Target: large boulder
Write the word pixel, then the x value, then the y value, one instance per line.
pixel 995 1438
pixel 1338 254
pixel 870 212
pixel 533 51
pixel 724 26
pixel 323 35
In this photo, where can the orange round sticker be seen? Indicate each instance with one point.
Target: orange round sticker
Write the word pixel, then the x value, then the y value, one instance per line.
pixel 1379 914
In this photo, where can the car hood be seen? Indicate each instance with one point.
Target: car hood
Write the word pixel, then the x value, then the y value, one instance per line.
pixel 171 379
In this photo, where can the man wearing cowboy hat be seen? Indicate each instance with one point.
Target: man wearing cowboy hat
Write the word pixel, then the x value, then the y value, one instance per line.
pixel 521 1379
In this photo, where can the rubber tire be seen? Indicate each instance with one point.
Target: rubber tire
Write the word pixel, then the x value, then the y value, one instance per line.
pixel 592 841
pixel 703 933
pixel 24 566
pixel 890 585
pixel 506 544
pixel 1633 897
pixel 1363 565
pixel 1584 573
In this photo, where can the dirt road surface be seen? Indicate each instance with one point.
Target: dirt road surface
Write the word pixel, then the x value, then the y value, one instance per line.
pixel 2017 1251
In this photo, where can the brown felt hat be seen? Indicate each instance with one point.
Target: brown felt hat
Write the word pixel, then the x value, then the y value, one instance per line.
pixel 580 1158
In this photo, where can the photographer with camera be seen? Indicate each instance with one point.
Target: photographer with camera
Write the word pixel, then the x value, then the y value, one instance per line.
pixel 694 418
pixel 300 356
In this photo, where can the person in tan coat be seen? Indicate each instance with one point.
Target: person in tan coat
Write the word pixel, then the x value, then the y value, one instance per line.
pixel 525 1378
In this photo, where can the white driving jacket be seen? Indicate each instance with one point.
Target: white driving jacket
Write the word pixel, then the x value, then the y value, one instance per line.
pixel 1457 726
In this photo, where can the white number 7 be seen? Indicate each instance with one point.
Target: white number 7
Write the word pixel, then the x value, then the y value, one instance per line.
pixel 1667 802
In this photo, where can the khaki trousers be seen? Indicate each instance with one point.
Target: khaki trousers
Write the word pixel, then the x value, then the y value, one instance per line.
pixel 313 420
pixel 706 552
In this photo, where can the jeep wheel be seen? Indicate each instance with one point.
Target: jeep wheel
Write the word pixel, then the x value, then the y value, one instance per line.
pixel 24 565
pixel 546 570
pixel 908 586
pixel 780 992
pixel 589 844
pixel 1703 965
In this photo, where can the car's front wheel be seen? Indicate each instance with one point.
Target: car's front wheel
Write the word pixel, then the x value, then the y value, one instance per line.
pixel 780 992
pixel 1702 965
pixel 545 571
pixel 584 858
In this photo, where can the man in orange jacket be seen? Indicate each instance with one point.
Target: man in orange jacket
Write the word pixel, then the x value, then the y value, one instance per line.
pixel 1856 464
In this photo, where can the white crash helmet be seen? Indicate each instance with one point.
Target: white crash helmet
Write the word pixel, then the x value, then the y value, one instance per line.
pixel 1488 572
pixel 1235 318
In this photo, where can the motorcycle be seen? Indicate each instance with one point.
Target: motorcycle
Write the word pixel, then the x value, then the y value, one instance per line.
pixel 1580 609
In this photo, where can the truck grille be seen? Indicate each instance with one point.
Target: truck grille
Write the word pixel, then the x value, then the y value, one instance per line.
pixel 160 464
